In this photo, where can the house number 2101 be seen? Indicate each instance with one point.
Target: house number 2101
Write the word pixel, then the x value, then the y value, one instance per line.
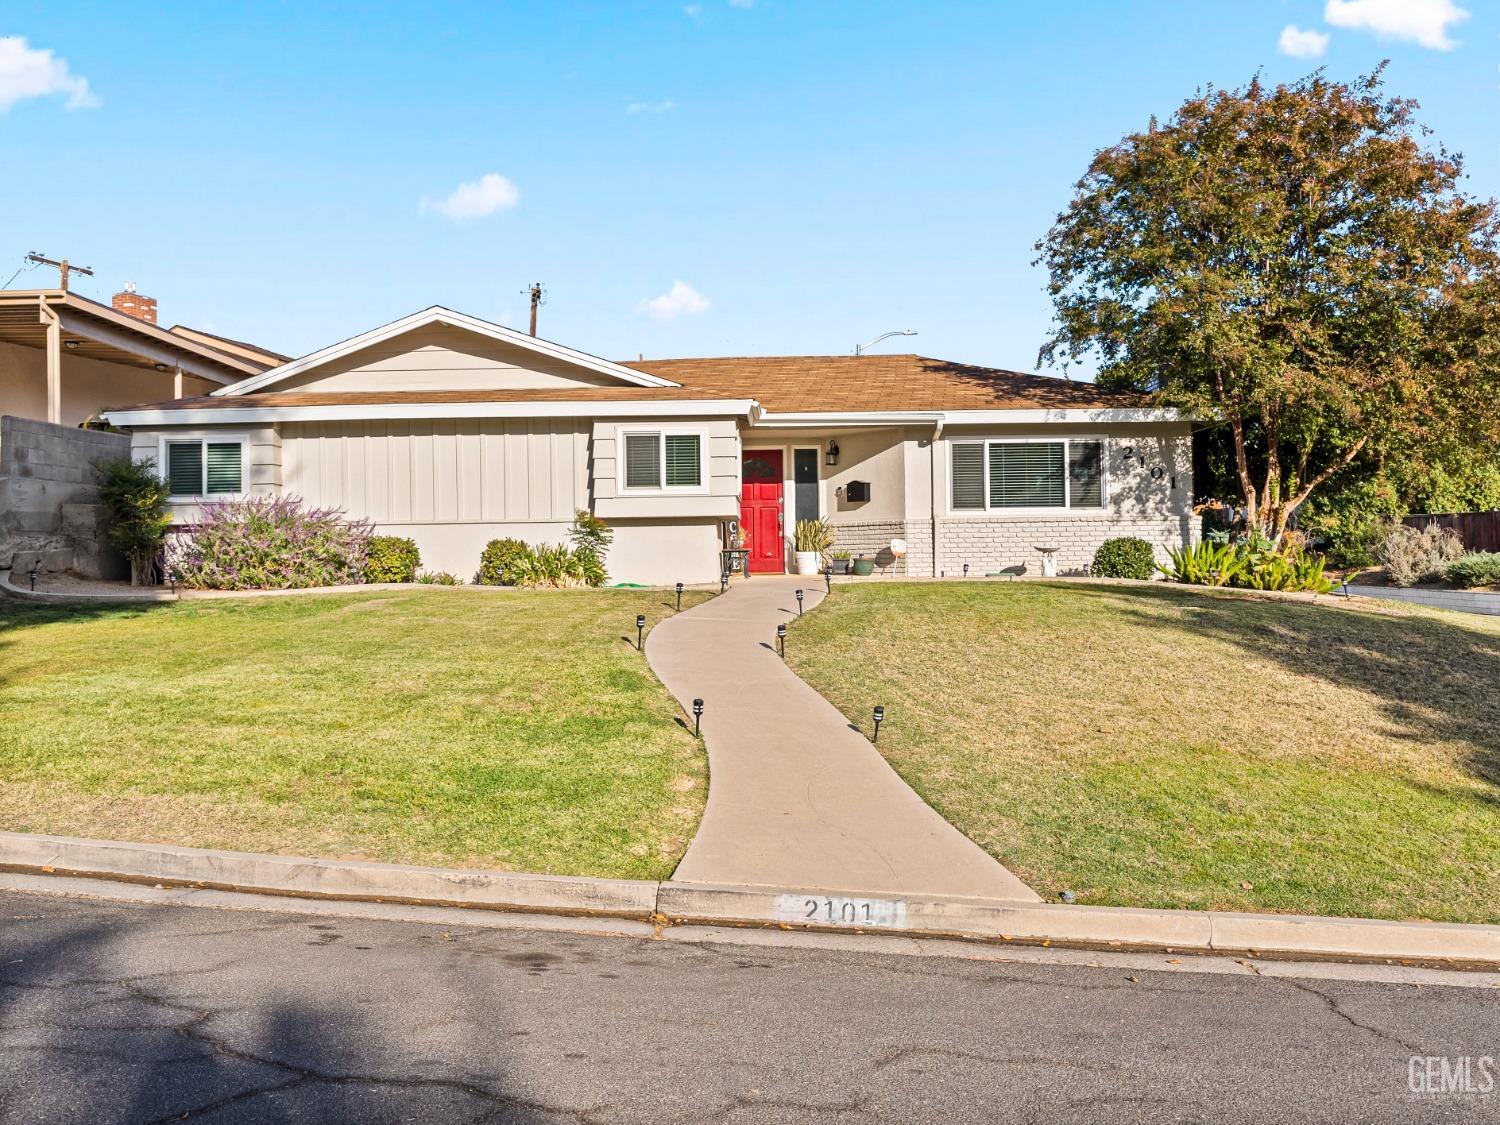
pixel 834 910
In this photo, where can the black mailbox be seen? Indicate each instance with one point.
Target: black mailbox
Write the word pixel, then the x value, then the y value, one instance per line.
pixel 858 491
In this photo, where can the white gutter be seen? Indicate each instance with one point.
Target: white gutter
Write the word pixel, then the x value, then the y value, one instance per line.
pixel 237 415
pixel 1026 416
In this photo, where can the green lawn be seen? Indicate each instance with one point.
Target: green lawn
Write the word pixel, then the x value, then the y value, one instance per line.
pixel 1153 746
pixel 495 729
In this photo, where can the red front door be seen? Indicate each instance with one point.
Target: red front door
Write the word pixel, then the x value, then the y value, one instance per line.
pixel 761 510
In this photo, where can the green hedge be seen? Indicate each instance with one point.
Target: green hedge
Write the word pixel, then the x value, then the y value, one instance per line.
pixel 1477 568
pixel 1126 557
pixel 392 559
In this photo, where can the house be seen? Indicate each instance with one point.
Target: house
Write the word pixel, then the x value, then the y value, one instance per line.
pixel 454 431
pixel 64 358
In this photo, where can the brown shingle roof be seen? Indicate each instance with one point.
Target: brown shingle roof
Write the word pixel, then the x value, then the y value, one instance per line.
pixel 818 383
pixel 781 384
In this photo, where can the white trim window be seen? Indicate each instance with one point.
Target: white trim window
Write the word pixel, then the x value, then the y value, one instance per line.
pixel 1026 474
pixel 662 460
pixel 195 467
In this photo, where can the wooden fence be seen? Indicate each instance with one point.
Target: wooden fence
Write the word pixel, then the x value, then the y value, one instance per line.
pixel 1480 531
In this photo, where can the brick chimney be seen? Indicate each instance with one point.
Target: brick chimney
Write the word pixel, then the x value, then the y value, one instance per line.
pixel 131 303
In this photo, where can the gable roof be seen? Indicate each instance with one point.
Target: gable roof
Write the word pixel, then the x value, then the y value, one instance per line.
pixel 870 383
pixel 265 357
pixel 436 314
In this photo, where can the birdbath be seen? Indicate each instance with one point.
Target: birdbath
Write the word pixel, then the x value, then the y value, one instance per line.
pixel 1049 561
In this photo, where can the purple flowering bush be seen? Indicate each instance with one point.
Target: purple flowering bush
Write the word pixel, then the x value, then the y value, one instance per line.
pixel 268 543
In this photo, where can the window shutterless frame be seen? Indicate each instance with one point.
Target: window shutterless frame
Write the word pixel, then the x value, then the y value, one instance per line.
pixel 973 475
pixel 216 466
pixel 662 459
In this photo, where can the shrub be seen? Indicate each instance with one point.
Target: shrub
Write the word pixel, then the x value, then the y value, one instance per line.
pixel 1413 555
pixel 502 561
pixel 269 543
pixel 591 538
pixel 1204 564
pixel 391 558
pixel 1477 568
pixel 812 536
pixel 1250 564
pixel 1126 557
pixel 139 514
pixel 437 578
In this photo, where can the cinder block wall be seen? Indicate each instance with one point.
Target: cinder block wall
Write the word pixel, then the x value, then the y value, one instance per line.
pixel 50 513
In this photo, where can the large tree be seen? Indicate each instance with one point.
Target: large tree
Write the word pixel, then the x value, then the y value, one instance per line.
pixel 1295 264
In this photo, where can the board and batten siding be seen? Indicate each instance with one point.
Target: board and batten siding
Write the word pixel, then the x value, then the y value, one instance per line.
pixel 476 470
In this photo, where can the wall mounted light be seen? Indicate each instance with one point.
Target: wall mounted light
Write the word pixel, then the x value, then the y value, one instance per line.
pixel 640 631
pixel 697 717
pixel 679 597
pixel 781 639
pixel 879 718
pixel 832 456
pixel 799 603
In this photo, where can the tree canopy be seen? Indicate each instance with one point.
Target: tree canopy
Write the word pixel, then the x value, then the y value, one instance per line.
pixel 1296 264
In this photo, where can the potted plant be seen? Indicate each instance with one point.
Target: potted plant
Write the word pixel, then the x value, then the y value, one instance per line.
pixel 841 561
pixel 810 540
pixel 864 567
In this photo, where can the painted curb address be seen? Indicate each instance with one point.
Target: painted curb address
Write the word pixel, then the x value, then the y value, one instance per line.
pixel 668 903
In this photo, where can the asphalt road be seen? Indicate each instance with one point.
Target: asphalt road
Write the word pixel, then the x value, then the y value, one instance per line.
pixel 126 1012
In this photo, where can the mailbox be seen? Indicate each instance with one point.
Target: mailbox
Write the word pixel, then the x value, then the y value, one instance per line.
pixel 858 491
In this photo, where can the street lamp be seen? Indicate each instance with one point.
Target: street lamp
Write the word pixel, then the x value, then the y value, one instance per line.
pixel 860 349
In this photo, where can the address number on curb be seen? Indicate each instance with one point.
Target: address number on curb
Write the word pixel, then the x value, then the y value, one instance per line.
pixel 825 910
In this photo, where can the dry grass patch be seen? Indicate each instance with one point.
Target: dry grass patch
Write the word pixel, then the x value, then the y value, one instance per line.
pixel 1159 747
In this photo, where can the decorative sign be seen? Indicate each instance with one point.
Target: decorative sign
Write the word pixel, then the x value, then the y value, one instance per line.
pixel 833 910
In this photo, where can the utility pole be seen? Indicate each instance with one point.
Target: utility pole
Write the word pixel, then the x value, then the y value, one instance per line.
pixel 64 268
pixel 538 299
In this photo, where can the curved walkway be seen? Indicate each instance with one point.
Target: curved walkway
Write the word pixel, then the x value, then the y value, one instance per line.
pixel 796 797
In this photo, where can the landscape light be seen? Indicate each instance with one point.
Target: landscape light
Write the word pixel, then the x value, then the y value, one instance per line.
pixel 697 717
pixel 781 639
pixel 723 580
pixel 966 570
pixel 799 603
pixel 679 597
pixel 879 718
pixel 640 631
pixel 33 577
pixel 828 580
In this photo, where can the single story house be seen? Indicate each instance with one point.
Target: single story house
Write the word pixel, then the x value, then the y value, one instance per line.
pixel 455 431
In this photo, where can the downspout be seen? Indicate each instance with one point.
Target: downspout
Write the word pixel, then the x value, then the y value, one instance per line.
pixel 53 322
pixel 937 432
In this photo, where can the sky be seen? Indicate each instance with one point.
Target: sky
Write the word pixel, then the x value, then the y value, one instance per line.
pixel 719 177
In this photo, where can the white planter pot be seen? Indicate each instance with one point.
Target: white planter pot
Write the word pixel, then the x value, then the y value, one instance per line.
pixel 809 562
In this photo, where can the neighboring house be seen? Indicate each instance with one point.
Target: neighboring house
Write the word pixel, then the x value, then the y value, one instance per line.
pixel 455 431
pixel 64 358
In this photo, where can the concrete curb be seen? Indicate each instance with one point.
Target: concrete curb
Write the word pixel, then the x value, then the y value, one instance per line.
pixel 1264 936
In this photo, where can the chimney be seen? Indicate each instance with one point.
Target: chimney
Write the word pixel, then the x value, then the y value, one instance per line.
pixel 131 303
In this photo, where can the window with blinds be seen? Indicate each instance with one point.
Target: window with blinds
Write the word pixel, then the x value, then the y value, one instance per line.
pixel 1085 474
pixel 968 476
pixel 988 475
pixel 198 468
pixel 682 459
pixel 1026 474
pixel 642 460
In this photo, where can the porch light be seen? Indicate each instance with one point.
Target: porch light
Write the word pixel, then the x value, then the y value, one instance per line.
pixel 781 639
pixel 799 603
pixel 697 717
pixel 679 597
pixel 71 344
pixel 640 631
pixel 832 456
pixel 160 366
pixel 879 718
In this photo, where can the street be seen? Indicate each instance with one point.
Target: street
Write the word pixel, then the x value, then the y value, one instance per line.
pixel 139 1012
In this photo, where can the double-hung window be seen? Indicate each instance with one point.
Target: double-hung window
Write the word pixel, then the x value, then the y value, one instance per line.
pixel 658 460
pixel 1026 474
pixel 204 467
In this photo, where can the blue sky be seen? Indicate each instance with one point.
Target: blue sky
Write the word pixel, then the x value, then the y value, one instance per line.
pixel 812 174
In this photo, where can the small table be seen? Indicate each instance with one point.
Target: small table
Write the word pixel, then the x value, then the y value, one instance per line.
pixel 1049 561
pixel 733 559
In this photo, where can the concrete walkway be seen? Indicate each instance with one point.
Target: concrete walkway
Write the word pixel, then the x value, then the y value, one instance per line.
pixel 796 798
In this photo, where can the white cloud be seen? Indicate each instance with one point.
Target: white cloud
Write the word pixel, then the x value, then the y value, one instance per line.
pixel 35 72
pixel 1419 21
pixel 680 300
pixel 490 193
pixel 1302 44
pixel 650 107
